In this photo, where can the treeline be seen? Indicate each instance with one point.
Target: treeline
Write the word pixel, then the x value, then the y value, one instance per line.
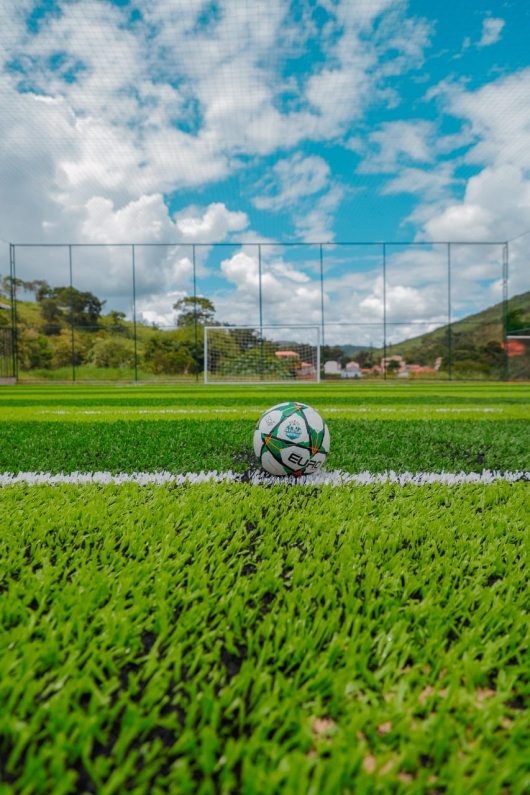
pixel 65 326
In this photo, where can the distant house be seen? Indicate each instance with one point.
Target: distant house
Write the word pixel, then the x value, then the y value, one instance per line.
pixel 306 370
pixel 375 370
pixel 4 306
pixel 352 370
pixel 515 348
pixel 418 369
pixel 287 355
pixel 332 368
pixel 303 369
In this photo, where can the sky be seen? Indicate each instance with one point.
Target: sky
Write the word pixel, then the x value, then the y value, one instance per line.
pixel 275 122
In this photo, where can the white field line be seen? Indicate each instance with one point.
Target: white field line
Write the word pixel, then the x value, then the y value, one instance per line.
pixel 259 478
pixel 246 410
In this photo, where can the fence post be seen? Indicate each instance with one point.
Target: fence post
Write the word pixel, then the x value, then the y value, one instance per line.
pixel 72 311
pixel 134 313
pixel 449 318
pixel 384 310
pixel 505 367
pixel 260 310
pixel 205 354
pixel 195 316
pixel 322 293
pixel 12 293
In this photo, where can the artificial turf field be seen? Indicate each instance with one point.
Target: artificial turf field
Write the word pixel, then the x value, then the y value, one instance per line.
pixel 226 637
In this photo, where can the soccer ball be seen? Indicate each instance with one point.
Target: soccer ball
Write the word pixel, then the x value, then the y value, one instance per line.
pixel 291 439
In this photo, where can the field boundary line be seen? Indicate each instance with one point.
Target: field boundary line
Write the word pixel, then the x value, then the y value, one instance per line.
pixel 259 478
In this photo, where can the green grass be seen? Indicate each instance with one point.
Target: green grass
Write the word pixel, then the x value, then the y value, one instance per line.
pixel 192 445
pixel 225 638
pixel 84 372
pixel 208 639
pixel 104 403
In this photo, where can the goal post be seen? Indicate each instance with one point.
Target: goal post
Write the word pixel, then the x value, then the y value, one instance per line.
pixel 261 354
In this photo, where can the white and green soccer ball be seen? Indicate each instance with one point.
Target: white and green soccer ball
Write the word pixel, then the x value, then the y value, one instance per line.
pixel 291 439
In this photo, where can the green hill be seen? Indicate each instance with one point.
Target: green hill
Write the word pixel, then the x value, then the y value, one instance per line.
pixel 476 341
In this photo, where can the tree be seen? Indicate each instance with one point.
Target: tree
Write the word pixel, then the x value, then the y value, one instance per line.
pixel 62 349
pixel 331 353
pixel 392 366
pixel 168 352
pixel 117 326
pixel 193 310
pixel 34 350
pixel 83 308
pixel 43 291
pixel 365 359
pixel 36 286
pixel 52 315
pixel 116 317
pixel 514 320
pixel 492 353
pixel 245 339
pixel 7 281
pixel 109 352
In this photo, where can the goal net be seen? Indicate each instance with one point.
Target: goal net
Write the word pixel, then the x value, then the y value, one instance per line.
pixel 272 354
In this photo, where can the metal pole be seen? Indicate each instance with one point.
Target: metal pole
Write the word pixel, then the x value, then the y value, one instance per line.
pixel 195 316
pixel 134 314
pixel 13 312
pixel 206 354
pixel 322 293
pixel 505 262
pixel 318 355
pixel 72 312
pixel 384 310
pixel 449 326
pixel 260 310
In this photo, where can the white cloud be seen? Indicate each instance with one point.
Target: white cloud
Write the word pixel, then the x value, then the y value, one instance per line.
pixel 212 225
pixel 289 295
pixel 496 203
pixel 292 179
pixel 397 142
pixel 316 222
pixel 429 184
pixel 496 206
pixel 97 106
pixel 498 115
pixel 491 31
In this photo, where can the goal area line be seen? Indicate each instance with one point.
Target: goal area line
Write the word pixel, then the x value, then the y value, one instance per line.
pixel 259 478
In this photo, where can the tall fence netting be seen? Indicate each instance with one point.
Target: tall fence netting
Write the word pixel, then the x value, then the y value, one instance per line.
pixel 383 310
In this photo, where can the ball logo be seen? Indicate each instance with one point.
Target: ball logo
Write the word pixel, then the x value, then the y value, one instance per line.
pixel 293 430
pixel 269 420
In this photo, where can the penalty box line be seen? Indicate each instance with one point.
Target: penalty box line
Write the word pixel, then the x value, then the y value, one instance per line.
pixel 259 478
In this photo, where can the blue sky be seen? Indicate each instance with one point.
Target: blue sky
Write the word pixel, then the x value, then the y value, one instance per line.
pixel 274 121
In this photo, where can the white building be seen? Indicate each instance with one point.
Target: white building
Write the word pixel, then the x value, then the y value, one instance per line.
pixel 352 370
pixel 332 368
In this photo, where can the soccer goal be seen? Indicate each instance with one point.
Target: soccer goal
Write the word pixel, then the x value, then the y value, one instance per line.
pixel 263 354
